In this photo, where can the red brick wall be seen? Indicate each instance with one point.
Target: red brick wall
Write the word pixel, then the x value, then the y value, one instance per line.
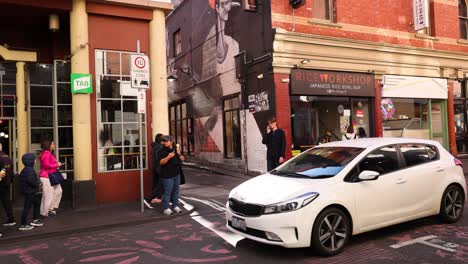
pixel 283 109
pixel 365 19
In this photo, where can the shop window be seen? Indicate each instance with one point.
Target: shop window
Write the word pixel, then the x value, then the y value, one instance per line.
pixel 250 5
pixel 323 10
pixel 181 127
pixel 117 118
pixel 461 116
pixel 7 89
pixel 321 119
pixel 463 17
pixel 232 134
pixel 51 109
pixel 405 117
pixel 177 42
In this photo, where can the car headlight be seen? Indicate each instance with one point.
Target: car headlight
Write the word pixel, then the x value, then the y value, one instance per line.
pixel 291 205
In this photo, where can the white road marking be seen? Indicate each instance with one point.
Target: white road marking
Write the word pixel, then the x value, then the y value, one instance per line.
pixel 228 236
pixel 428 241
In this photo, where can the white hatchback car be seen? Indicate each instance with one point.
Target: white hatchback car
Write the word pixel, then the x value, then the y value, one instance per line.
pixel 328 193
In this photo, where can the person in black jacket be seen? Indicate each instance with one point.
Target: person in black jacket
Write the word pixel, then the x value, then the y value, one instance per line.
pixel 29 183
pixel 275 140
pixel 5 182
pixel 157 190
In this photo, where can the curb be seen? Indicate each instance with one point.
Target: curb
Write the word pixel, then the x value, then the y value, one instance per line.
pixel 215 170
pixel 28 238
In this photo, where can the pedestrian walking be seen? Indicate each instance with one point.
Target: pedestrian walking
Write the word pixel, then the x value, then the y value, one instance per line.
pixel 275 140
pixel 6 175
pixel 157 190
pixel 170 160
pixel 51 194
pixel 349 134
pixel 29 184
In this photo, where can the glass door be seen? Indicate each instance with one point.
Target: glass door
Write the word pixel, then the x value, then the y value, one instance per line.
pixel 438 121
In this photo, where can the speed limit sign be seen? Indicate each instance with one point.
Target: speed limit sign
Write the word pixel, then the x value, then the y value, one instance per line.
pixel 140 71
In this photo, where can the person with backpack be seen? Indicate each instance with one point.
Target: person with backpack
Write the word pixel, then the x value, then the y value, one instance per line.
pixel 29 184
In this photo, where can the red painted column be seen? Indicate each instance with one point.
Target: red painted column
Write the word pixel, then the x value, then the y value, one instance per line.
pixel 378 123
pixel 283 109
pixel 451 119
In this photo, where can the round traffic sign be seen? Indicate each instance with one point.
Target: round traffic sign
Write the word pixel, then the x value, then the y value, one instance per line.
pixel 140 62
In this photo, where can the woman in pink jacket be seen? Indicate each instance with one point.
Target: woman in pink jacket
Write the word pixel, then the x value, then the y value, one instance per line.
pixel 51 195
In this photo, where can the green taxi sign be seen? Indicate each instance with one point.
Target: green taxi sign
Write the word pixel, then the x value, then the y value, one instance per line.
pixel 81 83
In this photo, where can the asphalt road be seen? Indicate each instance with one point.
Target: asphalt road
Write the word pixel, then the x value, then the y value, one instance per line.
pixel 202 238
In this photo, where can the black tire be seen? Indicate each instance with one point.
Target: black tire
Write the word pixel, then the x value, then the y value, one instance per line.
pixel 335 222
pixel 452 204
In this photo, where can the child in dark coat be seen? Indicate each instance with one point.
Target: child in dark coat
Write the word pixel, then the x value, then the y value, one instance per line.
pixel 29 183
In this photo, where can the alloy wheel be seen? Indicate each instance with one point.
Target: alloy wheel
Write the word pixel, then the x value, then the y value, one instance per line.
pixel 454 203
pixel 333 232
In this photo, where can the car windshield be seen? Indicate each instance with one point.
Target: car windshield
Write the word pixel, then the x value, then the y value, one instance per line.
pixel 319 162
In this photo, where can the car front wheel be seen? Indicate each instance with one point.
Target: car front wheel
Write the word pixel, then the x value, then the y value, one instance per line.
pixel 331 232
pixel 451 207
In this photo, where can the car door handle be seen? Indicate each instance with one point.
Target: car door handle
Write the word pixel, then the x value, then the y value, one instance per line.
pixel 440 169
pixel 401 181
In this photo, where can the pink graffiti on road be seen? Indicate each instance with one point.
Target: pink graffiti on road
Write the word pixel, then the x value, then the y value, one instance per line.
pixel 23 253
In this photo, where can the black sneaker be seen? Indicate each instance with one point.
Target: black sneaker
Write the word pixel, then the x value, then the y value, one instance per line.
pixel 36 223
pixel 51 214
pixel 26 227
pixel 9 223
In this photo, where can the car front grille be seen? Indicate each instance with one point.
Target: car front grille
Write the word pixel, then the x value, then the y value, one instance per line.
pixel 245 209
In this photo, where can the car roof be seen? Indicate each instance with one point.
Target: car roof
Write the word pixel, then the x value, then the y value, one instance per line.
pixel 376 142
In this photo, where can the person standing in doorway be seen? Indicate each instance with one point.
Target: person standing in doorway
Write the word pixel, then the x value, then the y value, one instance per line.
pixel 275 140
pixel 51 195
pixel 157 190
pixel 170 161
pixel 29 184
pixel 5 183
pixel 349 134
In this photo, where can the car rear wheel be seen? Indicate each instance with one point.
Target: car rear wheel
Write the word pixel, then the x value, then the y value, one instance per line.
pixel 331 232
pixel 452 205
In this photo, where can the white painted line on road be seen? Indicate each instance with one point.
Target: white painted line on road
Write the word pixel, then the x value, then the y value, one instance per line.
pixel 208 203
pixel 428 241
pixel 229 237
pixel 218 203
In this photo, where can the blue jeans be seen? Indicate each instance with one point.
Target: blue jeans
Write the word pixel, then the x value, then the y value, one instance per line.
pixel 171 188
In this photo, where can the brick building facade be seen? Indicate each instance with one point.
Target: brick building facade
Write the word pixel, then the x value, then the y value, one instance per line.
pixel 319 51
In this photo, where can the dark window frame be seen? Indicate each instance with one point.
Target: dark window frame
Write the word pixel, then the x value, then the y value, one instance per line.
pixel 332 10
pixel 177 133
pixel 463 19
pixel 177 42
pixel 227 98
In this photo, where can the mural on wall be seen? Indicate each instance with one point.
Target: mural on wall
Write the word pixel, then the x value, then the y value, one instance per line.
pixel 213 33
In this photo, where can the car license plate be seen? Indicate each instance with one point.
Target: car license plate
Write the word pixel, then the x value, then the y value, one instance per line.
pixel 239 223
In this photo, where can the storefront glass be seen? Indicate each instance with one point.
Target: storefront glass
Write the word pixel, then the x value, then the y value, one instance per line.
pixel 461 116
pixel 314 116
pixel 405 118
pixel 117 117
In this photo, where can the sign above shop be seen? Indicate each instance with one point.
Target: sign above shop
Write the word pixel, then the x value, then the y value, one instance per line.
pixel 140 71
pixel 331 83
pixel 420 14
pixel 396 86
pixel 81 83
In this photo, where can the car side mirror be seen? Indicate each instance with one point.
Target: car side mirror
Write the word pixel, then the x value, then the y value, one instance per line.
pixel 368 175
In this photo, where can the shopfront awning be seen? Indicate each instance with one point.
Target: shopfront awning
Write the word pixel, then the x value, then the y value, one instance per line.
pixel 396 86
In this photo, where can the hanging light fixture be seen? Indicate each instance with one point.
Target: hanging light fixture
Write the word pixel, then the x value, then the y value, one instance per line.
pixel 54 22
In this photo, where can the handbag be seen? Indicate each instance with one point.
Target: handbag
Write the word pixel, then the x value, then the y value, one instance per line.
pixel 56 178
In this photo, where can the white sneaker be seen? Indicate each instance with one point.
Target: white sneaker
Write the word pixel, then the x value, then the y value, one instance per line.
pixel 168 211
pixel 177 209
